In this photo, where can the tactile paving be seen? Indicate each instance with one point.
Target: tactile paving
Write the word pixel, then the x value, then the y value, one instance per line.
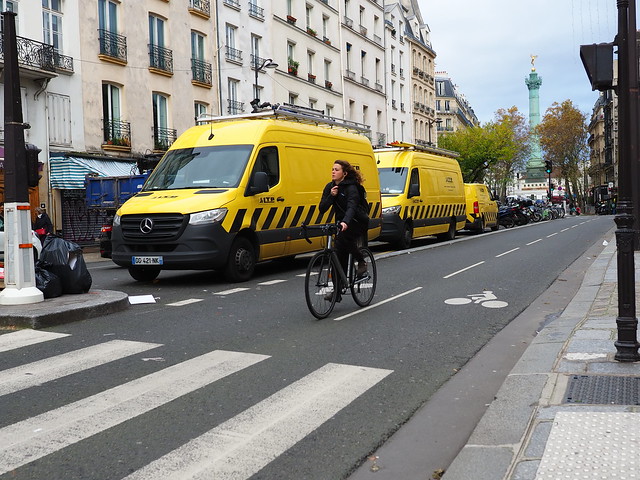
pixel 603 389
pixel 592 445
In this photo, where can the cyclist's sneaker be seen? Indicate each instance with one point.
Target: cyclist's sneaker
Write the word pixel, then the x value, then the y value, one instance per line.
pixel 329 295
pixel 362 269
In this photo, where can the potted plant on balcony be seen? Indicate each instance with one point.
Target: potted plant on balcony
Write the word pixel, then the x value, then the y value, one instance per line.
pixel 291 19
pixel 292 66
pixel 311 31
pixel 328 84
pixel 311 77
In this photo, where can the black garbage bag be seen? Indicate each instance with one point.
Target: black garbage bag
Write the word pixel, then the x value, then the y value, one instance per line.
pixel 64 259
pixel 48 283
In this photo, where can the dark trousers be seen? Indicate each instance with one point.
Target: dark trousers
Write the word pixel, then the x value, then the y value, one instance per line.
pixel 349 242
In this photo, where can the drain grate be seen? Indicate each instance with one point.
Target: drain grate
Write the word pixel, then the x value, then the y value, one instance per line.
pixel 603 390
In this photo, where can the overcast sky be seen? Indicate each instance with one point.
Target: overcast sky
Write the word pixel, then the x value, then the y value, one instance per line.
pixel 486 45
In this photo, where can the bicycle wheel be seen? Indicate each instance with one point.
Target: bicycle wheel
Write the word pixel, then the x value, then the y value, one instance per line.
pixel 318 286
pixel 363 289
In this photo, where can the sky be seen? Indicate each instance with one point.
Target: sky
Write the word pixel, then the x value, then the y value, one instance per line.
pixel 485 46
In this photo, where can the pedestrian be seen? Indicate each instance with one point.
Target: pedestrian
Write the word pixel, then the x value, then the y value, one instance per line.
pixel 42 226
pixel 345 194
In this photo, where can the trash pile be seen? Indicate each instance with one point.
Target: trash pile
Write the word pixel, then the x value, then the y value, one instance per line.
pixel 61 268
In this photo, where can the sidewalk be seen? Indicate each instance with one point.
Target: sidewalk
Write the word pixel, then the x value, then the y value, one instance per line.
pixel 567 410
pixel 66 308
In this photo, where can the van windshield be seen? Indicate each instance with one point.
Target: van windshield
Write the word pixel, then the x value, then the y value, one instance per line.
pixel 393 180
pixel 208 167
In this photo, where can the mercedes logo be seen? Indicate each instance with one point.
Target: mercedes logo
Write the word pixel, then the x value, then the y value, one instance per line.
pixel 146 225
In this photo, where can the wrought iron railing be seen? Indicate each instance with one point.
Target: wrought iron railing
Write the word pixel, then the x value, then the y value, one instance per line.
pixel 163 138
pixel 112 45
pixel 382 139
pixel 62 62
pixel 117 133
pixel 232 3
pixel 33 54
pixel 202 6
pixel 233 54
pixel 256 11
pixel 234 107
pixel 201 71
pixel 160 58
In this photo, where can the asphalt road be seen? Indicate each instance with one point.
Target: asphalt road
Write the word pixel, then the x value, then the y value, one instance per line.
pixel 294 397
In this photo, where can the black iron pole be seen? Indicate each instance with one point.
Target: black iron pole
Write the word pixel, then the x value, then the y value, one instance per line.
pixel 15 161
pixel 627 322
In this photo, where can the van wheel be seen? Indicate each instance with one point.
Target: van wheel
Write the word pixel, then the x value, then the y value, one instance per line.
pixel 404 241
pixel 451 233
pixel 241 262
pixel 495 228
pixel 144 274
pixel 481 227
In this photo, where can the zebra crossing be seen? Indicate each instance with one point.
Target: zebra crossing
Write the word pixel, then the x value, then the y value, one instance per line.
pixel 235 449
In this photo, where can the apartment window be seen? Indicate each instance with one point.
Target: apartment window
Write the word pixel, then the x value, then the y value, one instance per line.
pixel 293 98
pixel 327 67
pixel 108 16
pixel 348 56
pixel 329 110
pixel 289 7
pixel 312 103
pixel 361 18
pixel 438 105
pixel 310 61
pixel 110 102
pixel 255 48
pixel 447 105
pixel 232 52
pixel 163 137
pixel 52 23
pixel 325 27
pixel 115 131
pixel 7 6
pixel 156 31
pixel 440 88
pixel 291 51
pixel 235 106
pixel 59 119
pixel 308 16
pixel 199 108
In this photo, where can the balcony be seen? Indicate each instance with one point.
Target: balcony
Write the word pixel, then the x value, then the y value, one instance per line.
pixel 363 30
pixel 113 47
pixel 201 8
pixel 255 11
pixel 382 139
pixel 348 22
pixel 378 86
pixel 393 105
pixel 234 107
pixel 117 135
pixel 350 75
pixel 200 72
pixel 40 56
pixel 163 138
pixel 232 3
pixel 161 59
pixel 364 81
pixel 233 55
pixel 311 77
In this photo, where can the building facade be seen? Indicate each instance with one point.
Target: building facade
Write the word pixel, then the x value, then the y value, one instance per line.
pixel 107 85
pixel 453 110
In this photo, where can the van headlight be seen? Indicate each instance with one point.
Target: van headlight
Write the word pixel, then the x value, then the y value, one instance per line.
pixel 208 216
pixel 116 220
pixel 391 210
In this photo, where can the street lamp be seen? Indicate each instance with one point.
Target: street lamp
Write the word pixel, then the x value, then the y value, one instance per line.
pixel 431 122
pixel 266 63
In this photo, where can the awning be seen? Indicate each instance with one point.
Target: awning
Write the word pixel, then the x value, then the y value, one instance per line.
pixel 69 172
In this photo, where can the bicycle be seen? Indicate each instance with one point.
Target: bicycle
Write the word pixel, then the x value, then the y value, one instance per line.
pixel 324 268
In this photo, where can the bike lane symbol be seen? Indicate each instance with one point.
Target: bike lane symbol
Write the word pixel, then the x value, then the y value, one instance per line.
pixel 486 299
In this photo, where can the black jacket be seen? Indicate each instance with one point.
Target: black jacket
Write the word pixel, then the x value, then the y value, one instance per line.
pixel 346 204
pixel 43 221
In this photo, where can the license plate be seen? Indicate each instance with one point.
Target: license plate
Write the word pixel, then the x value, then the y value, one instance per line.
pixel 146 260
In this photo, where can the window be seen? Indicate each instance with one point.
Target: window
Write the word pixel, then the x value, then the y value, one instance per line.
pixel 310 60
pixel 235 106
pixel 268 162
pixel 231 36
pixel 447 105
pixel 7 6
pixel 255 48
pixel 325 26
pixel 52 23
pixel 308 16
pixel 199 108
pixel 108 16
pixel 197 46
pixel 110 103
pixel 160 121
pixel 59 119
pixel 293 98
pixel 156 31
pixel 289 7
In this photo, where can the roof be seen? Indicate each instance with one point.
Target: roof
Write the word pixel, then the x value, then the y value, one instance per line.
pixel 68 172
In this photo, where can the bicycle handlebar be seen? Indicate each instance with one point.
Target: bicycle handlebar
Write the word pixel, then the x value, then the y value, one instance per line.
pixel 327 229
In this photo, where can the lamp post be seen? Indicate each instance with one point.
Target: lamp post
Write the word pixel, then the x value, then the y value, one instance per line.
pixel 431 122
pixel 266 63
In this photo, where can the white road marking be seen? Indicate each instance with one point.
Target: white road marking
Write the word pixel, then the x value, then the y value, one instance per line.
pixel 23 338
pixel 463 270
pixel 241 446
pixel 232 291
pixel 49 369
pixel 185 302
pixel 535 241
pixel 508 251
pixel 271 282
pixel 362 310
pixel 564 230
pixel 549 236
pixel 31 439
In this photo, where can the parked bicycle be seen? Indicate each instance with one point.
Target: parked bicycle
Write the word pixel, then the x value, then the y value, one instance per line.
pixel 326 280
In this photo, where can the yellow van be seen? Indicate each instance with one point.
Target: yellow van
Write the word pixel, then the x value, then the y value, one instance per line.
pixel 422 193
pixel 482 210
pixel 236 190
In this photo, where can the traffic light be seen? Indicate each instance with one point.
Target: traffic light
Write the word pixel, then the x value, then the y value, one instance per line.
pixel 31 153
pixel 597 60
pixel 548 166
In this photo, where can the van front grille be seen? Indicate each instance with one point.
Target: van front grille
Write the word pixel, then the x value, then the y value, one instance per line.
pixel 161 226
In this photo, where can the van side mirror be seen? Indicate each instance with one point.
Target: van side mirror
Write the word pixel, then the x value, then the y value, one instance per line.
pixel 259 184
pixel 414 190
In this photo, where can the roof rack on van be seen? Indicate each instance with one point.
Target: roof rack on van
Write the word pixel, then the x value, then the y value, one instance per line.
pixel 293 112
pixel 423 148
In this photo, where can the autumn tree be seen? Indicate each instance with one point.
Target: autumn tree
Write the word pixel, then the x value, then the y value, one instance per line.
pixel 563 137
pixel 492 152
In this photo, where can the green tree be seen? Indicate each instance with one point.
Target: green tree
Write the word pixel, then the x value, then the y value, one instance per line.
pixel 563 137
pixel 492 152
